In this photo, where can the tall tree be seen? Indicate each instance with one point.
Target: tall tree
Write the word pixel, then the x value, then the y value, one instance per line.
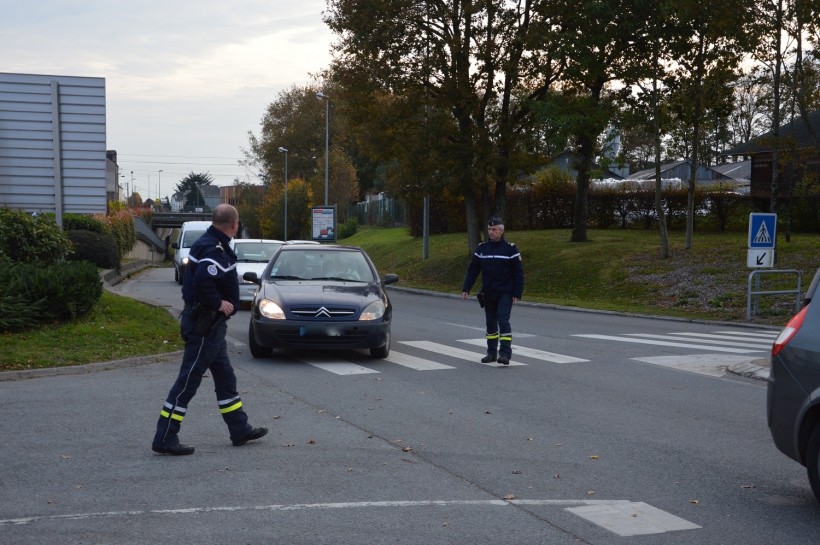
pixel 599 46
pixel 448 77
pixel 707 53
pixel 191 187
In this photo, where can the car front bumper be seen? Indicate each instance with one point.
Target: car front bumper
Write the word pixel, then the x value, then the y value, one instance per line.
pixel 320 335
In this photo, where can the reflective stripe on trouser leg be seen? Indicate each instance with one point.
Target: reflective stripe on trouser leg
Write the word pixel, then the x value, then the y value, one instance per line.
pixel 492 343
pixel 506 344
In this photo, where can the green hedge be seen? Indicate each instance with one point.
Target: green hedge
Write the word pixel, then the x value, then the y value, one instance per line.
pixel 28 238
pixel 96 248
pixel 35 293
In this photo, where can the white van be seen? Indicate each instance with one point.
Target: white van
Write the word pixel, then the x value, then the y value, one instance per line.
pixel 188 234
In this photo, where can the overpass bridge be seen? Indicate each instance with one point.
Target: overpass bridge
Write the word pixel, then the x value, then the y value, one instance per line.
pixel 174 220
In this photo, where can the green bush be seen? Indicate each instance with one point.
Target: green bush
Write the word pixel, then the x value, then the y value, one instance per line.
pixel 120 226
pixel 348 228
pixel 32 294
pixel 96 248
pixel 27 238
pixel 82 222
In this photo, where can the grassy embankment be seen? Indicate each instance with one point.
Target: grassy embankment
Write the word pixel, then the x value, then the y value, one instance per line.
pixel 616 270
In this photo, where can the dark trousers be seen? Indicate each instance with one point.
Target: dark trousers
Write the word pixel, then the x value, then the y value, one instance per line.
pixel 497 309
pixel 201 354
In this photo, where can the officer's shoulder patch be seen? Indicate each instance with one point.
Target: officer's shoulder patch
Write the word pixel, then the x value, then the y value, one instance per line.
pixel 212 270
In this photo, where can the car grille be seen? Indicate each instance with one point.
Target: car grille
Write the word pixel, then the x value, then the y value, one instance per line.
pixel 322 313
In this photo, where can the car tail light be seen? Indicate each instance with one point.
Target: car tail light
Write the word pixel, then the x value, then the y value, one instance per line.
pixel 789 331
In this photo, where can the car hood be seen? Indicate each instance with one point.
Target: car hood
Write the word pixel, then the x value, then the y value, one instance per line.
pixel 292 292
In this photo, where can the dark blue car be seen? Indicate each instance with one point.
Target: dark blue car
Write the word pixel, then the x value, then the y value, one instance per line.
pixel 794 388
pixel 320 297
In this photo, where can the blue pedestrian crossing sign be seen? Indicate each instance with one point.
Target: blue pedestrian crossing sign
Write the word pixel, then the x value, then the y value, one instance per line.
pixel 762 231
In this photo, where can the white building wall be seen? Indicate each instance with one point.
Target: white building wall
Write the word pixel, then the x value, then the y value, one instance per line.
pixel 52 143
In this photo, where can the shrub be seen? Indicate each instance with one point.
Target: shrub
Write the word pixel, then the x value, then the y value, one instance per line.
pixel 27 238
pixel 82 222
pixel 348 228
pixel 96 248
pixel 120 226
pixel 31 293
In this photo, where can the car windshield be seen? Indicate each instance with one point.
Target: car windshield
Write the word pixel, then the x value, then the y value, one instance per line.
pixel 255 252
pixel 348 266
pixel 189 237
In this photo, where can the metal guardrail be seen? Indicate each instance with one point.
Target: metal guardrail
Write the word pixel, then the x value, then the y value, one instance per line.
pixel 757 292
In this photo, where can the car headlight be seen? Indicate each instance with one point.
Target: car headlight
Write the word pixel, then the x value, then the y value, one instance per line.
pixel 184 261
pixel 269 309
pixel 374 311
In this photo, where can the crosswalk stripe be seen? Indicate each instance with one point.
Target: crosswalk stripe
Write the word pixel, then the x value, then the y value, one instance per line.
pixel 530 352
pixel 707 340
pixel 341 367
pixel 756 340
pixel 413 362
pixel 752 334
pixel 666 343
pixel 453 352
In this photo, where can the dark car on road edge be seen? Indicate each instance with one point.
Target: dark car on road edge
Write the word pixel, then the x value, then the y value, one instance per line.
pixel 793 399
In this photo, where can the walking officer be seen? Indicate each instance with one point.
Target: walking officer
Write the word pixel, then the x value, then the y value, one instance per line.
pixel 502 284
pixel 210 290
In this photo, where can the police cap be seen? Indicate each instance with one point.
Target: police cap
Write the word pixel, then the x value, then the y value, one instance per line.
pixel 495 221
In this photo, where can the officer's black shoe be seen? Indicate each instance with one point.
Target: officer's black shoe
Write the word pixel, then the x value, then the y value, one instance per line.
pixel 255 433
pixel 489 358
pixel 176 450
pixel 504 360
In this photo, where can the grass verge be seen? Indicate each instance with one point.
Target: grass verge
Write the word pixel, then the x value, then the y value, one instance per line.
pixel 617 270
pixel 118 327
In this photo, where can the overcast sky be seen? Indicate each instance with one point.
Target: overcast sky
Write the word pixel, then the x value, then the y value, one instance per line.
pixel 185 80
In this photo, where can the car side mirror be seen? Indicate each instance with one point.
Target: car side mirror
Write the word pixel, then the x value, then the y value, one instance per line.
pixel 175 245
pixel 390 279
pixel 251 276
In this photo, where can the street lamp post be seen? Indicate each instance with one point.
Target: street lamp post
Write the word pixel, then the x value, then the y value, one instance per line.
pixel 322 96
pixel 285 151
pixel 159 186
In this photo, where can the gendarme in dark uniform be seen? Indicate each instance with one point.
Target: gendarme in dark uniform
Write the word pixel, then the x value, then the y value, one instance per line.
pixel 210 290
pixel 502 283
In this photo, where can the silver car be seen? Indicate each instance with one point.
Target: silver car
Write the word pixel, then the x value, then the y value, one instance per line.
pixel 794 388
pixel 252 255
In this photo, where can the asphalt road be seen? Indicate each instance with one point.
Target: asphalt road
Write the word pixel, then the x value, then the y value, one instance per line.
pixel 609 430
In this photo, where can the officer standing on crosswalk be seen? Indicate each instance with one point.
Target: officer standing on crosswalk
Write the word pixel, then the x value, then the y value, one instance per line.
pixel 502 284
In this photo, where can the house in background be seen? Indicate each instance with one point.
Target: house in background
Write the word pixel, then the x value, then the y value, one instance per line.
pixel 798 155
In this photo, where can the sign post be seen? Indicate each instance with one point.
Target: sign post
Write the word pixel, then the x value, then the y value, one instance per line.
pixel 762 238
pixel 324 223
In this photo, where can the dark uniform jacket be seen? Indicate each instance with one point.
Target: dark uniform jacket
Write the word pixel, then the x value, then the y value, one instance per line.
pixel 500 266
pixel 210 275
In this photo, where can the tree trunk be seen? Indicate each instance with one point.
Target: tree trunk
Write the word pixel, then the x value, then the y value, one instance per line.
pixel 580 214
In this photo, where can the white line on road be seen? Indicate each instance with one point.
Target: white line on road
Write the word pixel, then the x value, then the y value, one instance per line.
pixel 454 352
pixel 342 367
pixel 413 362
pixel 664 343
pixel 530 352
pixel 707 339
pixel 621 517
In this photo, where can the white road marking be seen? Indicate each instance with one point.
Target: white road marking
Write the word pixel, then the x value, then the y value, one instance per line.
pixel 713 365
pixel 632 519
pixel 703 340
pixel 455 352
pixel 530 352
pixel 341 367
pixel 665 343
pixel 621 517
pixel 753 340
pixel 768 334
pixel 413 362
